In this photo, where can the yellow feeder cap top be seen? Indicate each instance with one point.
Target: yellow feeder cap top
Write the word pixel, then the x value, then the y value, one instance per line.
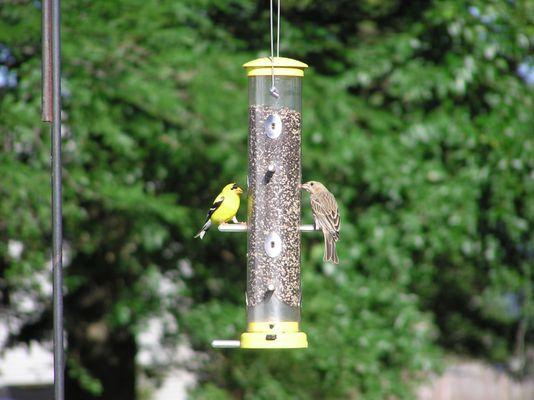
pixel 282 67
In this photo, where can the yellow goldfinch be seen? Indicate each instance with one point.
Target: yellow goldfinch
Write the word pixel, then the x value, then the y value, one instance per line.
pixel 223 209
pixel 326 216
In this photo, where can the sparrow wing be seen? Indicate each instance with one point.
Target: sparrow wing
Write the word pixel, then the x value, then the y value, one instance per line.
pixel 326 213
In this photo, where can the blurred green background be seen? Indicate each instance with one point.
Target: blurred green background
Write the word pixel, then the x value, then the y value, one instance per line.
pixel 419 117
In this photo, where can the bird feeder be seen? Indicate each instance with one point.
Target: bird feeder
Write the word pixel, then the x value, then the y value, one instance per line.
pixel 273 296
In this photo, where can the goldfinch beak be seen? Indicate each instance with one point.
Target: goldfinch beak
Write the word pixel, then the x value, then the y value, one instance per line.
pixel 239 190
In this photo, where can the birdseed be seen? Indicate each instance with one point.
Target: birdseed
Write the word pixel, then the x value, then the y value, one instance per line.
pixel 274 206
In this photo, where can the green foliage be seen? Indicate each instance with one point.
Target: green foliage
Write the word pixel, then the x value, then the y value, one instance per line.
pixel 414 116
pixel 91 384
pixel 389 343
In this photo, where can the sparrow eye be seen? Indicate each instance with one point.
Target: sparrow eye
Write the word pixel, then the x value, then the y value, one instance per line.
pixel 311 184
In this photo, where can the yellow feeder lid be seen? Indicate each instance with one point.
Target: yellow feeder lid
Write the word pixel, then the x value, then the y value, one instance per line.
pixel 282 67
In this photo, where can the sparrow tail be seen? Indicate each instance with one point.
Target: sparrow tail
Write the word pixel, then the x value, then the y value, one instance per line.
pixel 330 254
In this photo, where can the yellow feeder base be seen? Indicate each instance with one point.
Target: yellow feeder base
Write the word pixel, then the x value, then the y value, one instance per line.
pixel 273 335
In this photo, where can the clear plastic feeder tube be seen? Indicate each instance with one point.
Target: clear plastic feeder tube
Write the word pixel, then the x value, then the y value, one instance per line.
pixel 273 272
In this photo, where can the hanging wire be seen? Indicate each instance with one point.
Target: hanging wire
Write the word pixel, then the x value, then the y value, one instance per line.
pixel 271 25
pixel 274 92
pixel 278 32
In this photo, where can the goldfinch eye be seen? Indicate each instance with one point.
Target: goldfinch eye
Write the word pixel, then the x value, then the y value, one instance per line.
pixel 234 187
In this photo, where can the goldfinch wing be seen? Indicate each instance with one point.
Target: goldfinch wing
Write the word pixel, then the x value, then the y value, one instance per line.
pixel 215 206
pixel 324 208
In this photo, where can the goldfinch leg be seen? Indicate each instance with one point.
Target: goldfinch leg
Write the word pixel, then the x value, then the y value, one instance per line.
pixel 234 220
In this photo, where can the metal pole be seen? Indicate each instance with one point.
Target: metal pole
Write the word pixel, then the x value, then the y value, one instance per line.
pixel 52 112
pixel 46 66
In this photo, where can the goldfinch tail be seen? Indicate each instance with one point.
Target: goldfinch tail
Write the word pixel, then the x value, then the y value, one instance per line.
pixel 204 229
pixel 330 254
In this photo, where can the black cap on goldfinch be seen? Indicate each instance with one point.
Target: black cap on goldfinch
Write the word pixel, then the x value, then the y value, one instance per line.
pixel 233 187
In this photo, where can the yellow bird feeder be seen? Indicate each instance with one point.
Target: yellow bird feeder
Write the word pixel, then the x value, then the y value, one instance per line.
pixel 273 296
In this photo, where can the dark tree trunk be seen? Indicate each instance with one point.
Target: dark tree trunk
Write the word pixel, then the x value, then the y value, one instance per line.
pixel 112 362
pixel 104 351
